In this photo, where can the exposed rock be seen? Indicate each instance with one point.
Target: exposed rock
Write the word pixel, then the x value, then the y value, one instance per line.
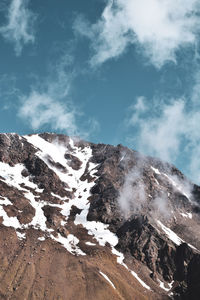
pixel 63 208
pixel 73 161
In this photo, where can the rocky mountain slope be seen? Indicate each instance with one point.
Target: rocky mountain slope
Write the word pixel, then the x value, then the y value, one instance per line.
pixel 86 221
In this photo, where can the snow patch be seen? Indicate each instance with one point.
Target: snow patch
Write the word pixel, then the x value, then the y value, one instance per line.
pixel 186 215
pixel 13 177
pixel 9 221
pixel 63 223
pixel 70 243
pixel 56 152
pixel 58 196
pixel 90 244
pixel 39 220
pixel 156 170
pixel 173 236
pixel 162 285
pixel 120 259
pixel 20 235
pixel 177 185
pixel 106 277
pixel 5 201
pixel 140 281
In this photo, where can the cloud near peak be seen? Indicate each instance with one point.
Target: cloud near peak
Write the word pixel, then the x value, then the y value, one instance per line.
pixel 49 105
pixel 168 130
pixel 39 109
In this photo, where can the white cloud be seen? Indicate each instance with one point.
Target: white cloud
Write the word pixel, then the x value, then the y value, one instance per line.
pixel 158 28
pixel 161 204
pixel 138 109
pixel 40 109
pixel 20 25
pixel 133 185
pixel 48 105
pixel 168 131
pixel 161 134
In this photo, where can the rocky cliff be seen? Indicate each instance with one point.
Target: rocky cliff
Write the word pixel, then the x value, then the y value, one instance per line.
pixel 93 221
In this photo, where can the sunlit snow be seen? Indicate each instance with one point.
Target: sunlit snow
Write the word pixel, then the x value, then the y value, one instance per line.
pixel 55 152
pixel 106 277
pixel 172 235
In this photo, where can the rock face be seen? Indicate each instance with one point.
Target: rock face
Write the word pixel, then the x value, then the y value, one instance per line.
pixel 93 221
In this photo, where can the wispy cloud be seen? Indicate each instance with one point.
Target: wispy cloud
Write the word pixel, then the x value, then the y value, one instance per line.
pixel 19 29
pixel 168 130
pixel 40 109
pixel 49 105
pixel 158 29
pixel 133 185
pixel 159 129
pixel 8 91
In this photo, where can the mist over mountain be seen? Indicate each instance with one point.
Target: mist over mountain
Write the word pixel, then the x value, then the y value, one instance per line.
pixel 80 220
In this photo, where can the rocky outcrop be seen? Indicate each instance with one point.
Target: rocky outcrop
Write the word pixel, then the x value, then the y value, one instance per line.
pixel 75 210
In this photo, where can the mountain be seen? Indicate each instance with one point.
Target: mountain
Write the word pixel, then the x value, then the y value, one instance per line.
pixel 91 221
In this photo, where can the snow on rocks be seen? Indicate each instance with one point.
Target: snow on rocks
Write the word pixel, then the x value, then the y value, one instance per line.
pixel 90 244
pixel 39 220
pixel 106 278
pixel 156 170
pixel 9 221
pixel 186 215
pixel 162 285
pixel 140 280
pixel 70 243
pixel 53 154
pixel 120 260
pixel 172 235
pixel 13 177
pixel 182 187
pixel 57 153
pixel 20 235
pixel 98 230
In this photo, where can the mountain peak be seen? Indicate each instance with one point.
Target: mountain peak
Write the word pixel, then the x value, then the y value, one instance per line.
pixel 121 223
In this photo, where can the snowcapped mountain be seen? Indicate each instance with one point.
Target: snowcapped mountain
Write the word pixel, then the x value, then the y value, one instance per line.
pixel 93 221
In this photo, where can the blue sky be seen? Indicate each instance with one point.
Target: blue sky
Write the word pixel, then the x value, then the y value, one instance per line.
pixel 109 71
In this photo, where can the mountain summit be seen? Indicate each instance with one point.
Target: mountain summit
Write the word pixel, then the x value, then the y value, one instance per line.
pixel 91 221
